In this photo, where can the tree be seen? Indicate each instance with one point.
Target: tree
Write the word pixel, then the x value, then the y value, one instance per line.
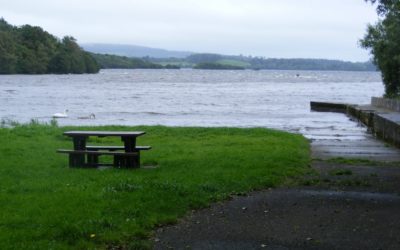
pixel 60 63
pixel 31 50
pixel 71 58
pixel 8 59
pixel 37 49
pixel 383 39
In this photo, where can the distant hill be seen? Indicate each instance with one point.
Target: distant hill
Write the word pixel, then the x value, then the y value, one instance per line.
pixel 133 50
pixel 129 56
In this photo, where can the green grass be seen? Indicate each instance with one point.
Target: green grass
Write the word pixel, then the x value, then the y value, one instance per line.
pixel 180 64
pixel 47 205
pixel 234 63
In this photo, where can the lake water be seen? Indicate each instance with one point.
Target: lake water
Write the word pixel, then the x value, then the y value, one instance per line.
pixel 276 99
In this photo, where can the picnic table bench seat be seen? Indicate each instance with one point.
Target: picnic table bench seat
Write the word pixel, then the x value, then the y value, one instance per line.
pixel 115 148
pixel 117 158
pixel 121 158
pixel 96 152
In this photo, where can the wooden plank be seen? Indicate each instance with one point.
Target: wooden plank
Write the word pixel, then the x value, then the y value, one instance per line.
pixel 113 148
pixel 110 148
pixel 105 133
pixel 68 151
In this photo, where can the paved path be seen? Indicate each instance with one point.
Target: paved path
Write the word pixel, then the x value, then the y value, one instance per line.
pixel 350 141
pixel 344 207
pixel 367 148
pixel 291 219
pixel 358 211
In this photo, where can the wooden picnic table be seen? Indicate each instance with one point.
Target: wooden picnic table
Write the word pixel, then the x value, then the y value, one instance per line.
pixel 126 156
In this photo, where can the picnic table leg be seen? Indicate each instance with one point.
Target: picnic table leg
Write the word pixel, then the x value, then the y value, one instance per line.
pixel 129 143
pixel 121 161
pixel 73 162
pixel 131 162
pixel 78 160
pixel 137 159
pixel 92 160
pixel 117 161
pixel 130 146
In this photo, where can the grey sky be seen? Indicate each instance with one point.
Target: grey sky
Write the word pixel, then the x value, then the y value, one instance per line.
pixel 270 28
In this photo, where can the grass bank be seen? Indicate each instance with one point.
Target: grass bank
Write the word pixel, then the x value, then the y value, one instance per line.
pixel 46 205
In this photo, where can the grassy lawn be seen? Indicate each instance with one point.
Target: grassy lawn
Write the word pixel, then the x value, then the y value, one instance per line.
pixel 47 205
pixel 234 63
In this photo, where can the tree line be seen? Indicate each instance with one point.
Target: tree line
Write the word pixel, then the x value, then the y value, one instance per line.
pixel 216 61
pixel 107 61
pixel 383 40
pixel 31 50
pixel 218 66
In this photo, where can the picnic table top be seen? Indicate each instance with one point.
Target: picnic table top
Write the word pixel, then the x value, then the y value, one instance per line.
pixel 105 133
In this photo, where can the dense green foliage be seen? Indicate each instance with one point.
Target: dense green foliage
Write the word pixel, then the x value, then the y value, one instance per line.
pixel 122 62
pixel 309 64
pixel 249 62
pixel 31 50
pixel 171 66
pixel 383 39
pixel 204 57
pixel 215 65
pixel 46 205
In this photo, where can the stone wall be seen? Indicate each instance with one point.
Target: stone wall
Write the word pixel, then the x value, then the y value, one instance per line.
pixel 386 129
pixel 386 103
pixel 382 117
pixel 385 124
pixel 328 107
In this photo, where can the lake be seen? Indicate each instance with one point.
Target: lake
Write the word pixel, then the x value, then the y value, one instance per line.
pixel 244 98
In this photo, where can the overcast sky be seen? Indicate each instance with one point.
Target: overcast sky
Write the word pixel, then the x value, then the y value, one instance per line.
pixel 270 28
